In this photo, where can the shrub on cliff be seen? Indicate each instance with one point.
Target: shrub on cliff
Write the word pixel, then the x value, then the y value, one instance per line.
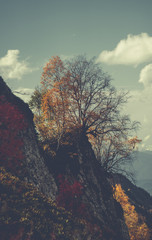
pixel 136 224
pixel 25 211
pixel 11 123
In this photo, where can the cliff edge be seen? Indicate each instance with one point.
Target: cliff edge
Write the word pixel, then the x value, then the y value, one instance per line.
pixel 101 211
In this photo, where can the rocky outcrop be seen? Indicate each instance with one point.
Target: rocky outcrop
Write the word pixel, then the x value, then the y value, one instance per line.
pixel 100 206
pixel 36 171
pixel 98 191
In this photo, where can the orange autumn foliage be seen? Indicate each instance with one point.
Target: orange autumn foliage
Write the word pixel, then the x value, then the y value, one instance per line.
pixel 137 228
pixel 133 142
pixel 55 101
pixel 78 95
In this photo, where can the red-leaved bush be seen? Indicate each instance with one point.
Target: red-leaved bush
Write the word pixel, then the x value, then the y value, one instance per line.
pixel 70 196
pixel 11 123
pixel 18 235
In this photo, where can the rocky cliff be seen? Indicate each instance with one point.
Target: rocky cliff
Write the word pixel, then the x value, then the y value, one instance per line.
pixel 36 171
pixel 101 210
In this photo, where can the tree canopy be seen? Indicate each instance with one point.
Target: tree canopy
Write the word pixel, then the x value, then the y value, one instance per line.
pixel 79 94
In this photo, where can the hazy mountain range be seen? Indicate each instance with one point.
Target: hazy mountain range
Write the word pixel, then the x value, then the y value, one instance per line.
pixel 143 169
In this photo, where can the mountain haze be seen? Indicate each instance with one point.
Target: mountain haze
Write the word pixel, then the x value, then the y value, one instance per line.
pixel 143 170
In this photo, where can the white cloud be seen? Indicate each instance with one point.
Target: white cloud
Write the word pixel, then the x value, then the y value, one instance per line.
pixel 133 50
pixel 23 93
pixel 10 58
pixel 146 138
pixel 65 57
pixel 146 76
pixel 139 107
pixel 11 67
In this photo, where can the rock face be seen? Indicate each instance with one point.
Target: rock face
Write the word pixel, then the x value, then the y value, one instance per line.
pixel 101 208
pixel 37 172
pixel 98 195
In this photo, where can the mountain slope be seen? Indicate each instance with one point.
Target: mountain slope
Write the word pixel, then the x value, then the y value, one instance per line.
pixel 138 197
pixel 27 164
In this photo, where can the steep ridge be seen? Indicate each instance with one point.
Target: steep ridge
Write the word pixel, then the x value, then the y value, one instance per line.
pixel 36 171
pixel 100 207
pixel 97 191
pixel 138 197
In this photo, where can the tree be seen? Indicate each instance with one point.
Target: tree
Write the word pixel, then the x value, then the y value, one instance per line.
pixel 35 101
pixel 136 225
pixel 116 152
pixel 78 94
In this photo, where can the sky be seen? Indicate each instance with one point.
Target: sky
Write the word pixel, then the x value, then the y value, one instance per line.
pixel 118 33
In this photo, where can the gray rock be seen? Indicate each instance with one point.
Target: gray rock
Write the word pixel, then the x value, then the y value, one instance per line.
pixel 36 170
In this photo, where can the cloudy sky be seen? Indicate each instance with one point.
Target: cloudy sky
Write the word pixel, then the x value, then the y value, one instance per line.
pixel 117 32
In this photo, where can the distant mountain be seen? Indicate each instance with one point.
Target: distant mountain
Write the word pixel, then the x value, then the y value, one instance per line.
pixel 143 169
pixel 145 184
